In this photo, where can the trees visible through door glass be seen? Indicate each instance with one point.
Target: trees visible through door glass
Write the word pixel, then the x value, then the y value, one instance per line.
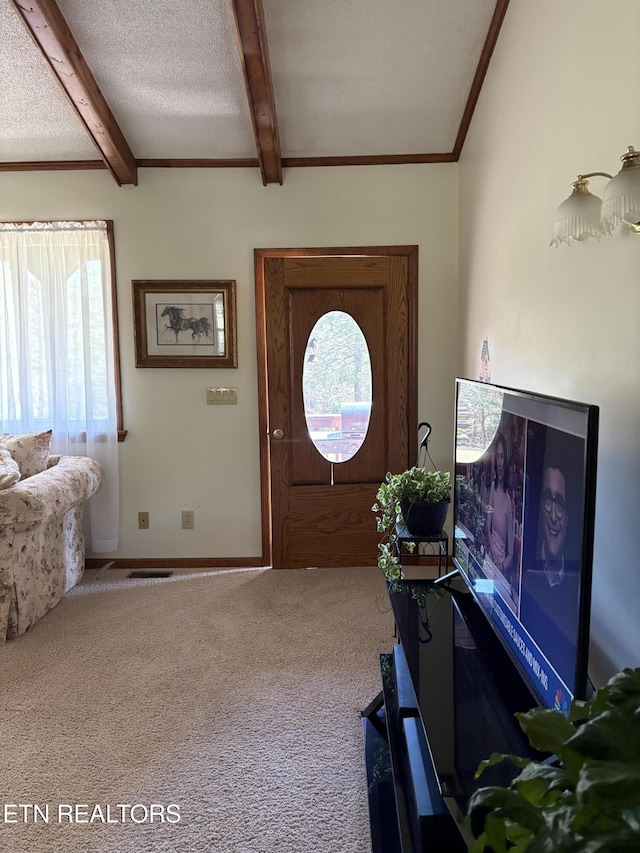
pixel 336 386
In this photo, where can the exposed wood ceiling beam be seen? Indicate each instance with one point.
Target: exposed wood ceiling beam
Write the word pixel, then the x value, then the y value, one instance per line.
pixel 483 64
pixel 233 163
pixel 50 165
pixel 195 163
pixel 252 44
pixel 48 28
pixel 367 160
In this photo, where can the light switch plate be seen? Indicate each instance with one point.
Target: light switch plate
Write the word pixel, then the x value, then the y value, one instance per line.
pixel 222 396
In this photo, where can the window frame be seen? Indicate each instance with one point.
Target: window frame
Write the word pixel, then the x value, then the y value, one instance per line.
pixel 122 432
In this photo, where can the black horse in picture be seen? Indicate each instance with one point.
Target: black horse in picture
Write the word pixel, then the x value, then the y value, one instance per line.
pixel 199 326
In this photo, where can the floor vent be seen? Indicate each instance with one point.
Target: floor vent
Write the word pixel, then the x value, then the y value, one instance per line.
pixel 153 574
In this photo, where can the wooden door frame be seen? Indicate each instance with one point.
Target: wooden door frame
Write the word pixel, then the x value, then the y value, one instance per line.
pixel 260 255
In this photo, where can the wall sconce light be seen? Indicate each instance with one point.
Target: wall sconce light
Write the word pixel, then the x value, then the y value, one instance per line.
pixel 584 215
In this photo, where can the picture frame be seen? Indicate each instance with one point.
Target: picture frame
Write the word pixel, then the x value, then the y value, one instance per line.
pixel 185 323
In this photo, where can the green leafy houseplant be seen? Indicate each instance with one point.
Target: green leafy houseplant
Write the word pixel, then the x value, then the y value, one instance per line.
pixel 588 800
pixel 415 485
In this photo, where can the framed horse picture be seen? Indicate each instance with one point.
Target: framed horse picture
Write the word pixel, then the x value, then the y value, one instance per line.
pixel 185 323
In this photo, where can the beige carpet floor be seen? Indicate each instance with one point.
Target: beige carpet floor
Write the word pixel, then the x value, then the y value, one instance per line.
pixel 232 697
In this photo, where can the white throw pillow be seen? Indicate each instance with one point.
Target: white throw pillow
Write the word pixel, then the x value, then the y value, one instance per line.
pixel 30 451
pixel 9 471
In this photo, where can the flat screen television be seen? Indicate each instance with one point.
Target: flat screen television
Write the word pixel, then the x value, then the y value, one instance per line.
pixel 524 506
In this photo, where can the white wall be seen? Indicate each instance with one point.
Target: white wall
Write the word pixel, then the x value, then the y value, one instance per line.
pixel 561 98
pixel 205 224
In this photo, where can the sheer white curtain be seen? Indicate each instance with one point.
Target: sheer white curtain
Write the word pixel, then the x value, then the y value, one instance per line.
pixel 56 350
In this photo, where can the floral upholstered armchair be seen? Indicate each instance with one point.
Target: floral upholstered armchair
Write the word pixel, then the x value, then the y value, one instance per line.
pixel 42 501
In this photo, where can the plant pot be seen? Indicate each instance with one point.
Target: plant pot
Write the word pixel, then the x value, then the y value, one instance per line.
pixel 425 519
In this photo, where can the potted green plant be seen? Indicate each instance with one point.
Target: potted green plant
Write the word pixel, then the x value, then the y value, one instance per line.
pixel 414 495
pixel 587 800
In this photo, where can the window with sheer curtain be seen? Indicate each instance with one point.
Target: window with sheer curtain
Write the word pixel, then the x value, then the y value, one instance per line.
pixel 57 350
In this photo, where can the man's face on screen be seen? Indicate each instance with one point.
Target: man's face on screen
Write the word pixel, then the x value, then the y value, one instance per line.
pixel 555 512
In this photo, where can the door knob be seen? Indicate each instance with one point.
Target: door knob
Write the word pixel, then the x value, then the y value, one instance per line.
pixel 278 434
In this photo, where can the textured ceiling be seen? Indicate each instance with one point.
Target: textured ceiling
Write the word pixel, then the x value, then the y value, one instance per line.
pixel 372 76
pixel 170 73
pixel 350 78
pixel 36 120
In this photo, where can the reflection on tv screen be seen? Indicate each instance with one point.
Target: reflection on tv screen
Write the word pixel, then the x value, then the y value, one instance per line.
pixel 523 527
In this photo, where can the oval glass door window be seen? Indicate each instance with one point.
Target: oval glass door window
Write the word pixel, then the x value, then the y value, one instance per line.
pixel 336 386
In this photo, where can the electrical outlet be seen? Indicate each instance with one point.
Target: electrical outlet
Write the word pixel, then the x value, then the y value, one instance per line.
pixel 188 519
pixel 143 520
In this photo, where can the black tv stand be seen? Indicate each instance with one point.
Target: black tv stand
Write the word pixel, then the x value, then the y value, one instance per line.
pixel 402 783
pixel 406 808
pixel 417 766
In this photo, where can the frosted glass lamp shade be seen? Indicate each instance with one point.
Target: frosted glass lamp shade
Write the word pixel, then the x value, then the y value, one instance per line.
pixel 578 218
pixel 621 199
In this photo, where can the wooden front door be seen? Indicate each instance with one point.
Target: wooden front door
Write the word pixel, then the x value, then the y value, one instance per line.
pixel 316 512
